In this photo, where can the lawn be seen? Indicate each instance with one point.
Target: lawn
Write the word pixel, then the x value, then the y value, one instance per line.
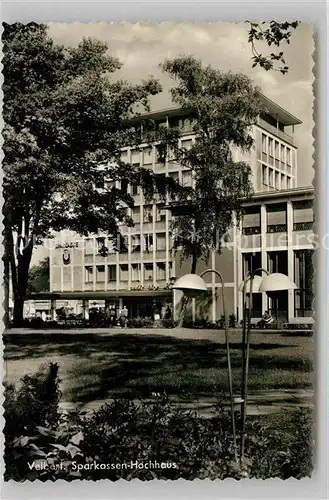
pixel 96 367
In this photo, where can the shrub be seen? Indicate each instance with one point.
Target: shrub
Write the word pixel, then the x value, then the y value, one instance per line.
pixel 232 321
pixel 124 431
pixel 168 323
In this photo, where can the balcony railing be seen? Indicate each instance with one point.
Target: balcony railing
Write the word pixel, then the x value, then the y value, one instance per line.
pixel 275 131
pixel 247 231
pixel 303 226
pixel 277 228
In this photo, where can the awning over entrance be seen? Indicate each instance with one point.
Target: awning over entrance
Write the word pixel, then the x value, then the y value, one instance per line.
pixel 98 295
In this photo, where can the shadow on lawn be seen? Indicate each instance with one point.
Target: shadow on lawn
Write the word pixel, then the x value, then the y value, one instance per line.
pixel 137 365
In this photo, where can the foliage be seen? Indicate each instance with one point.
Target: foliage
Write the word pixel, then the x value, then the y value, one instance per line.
pixel 66 120
pixel 35 402
pixel 274 34
pixel 282 446
pixel 232 321
pixel 223 107
pixel 140 322
pixel 39 277
pixel 89 445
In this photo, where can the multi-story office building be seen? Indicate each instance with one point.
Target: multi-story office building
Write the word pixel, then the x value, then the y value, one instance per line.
pixel 276 233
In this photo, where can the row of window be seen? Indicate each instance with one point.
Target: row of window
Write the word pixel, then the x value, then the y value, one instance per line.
pixel 277 262
pixel 146 242
pixel 186 180
pixel 147 154
pixel 275 179
pixel 276 218
pixel 277 150
pixel 110 273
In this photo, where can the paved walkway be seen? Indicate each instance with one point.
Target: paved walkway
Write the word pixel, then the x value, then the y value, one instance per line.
pixel 181 333
pixel 259 403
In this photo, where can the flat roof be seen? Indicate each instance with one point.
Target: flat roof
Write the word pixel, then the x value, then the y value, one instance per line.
pixel 270 107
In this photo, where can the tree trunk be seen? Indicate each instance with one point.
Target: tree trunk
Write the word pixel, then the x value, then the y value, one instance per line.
pixel 20 287
pixel 18 310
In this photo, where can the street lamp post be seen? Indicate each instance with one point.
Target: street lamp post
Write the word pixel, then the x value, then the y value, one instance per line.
pixel 192 285
pixel 271 283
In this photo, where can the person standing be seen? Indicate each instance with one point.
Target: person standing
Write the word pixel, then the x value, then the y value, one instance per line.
pixel 124 317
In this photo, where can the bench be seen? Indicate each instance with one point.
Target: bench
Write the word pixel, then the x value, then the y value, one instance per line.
pixel 254 322
pixel 296 323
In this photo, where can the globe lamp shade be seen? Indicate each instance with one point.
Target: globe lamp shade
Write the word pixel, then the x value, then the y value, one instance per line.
pixel 191 284
pixel 276 282
pixel 256 282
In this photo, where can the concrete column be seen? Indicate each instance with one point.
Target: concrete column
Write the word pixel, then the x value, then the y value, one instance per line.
pixel 53 310
pixel 263 225
pixel 290 257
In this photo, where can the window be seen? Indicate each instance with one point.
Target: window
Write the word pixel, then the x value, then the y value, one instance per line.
pixel 304 275
pixel 161 214
pixel 251 262
pixel 251 221
pixel 135 272
pixel 135 190
pixel 112 273
pixel 135 156
pixel 124 186
pixel 148 272
pixel 288 182
pixel 277 262
pixel 136 214
pixel 264 143
pixel 264 175
pixel 124 156
pixel 100 274
pixel 187 178
pixel 147 156
pixel 123 272
pixel 148 242
pixel 303 215
pixel 161 241
pixel 159 154
pixel 289 156
pixel 161 271
pixel 283 181
pixel 283 153
pixel 277 218
pixel 101 245
pixel 276 150
pixel 277 180
pixel 89 246
pixel 270 146
pixel 135 242
pixel 89 274
pixel 147 213
pixel 271 177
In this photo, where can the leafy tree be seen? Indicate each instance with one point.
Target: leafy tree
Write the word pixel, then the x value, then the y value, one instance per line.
pixel 223 107
pixel 38 280
pixel 65 123
pixel 274 34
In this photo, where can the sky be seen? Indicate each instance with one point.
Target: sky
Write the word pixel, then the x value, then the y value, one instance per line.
pixel 142 47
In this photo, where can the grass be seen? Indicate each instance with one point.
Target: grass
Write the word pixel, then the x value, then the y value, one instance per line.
pixel 94 367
